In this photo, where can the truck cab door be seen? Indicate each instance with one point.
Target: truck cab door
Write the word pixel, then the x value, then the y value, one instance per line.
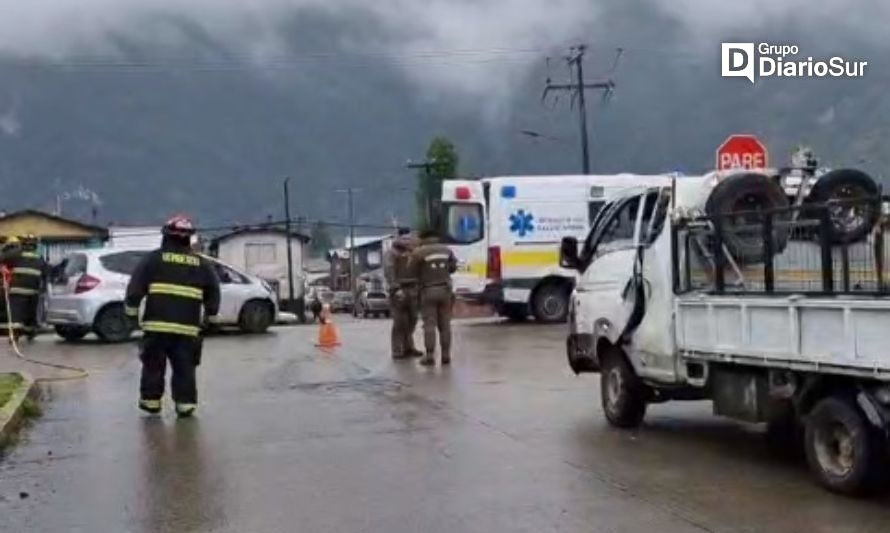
pixel 607 286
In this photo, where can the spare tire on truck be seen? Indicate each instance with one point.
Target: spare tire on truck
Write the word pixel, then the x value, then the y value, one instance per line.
pixel 850 222
pixel 744 194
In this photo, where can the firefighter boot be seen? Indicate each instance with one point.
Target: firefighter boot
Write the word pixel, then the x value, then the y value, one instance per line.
pixel 428 360
pixel 185 410
pixel 150 406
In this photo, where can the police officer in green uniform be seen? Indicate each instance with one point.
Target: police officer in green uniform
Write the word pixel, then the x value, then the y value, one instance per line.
pixel 404 299
pixel 176 283
pixel 433 264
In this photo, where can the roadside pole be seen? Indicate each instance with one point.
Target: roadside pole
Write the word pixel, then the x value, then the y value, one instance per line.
pixel 350 201
pixel 427 167
pixel 290 259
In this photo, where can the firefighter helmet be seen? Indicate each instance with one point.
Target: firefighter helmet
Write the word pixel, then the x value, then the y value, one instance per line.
pixel 179 226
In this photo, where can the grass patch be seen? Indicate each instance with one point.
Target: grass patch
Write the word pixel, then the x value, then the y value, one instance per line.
pixel 9 383
pixel 31 409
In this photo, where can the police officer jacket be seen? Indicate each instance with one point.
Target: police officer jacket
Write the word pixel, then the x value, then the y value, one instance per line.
pixel 175 283
pixel 405 276
pixel 28 271
pixel 432 264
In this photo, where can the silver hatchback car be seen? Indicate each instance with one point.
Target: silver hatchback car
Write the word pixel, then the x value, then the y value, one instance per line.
pixel 86 294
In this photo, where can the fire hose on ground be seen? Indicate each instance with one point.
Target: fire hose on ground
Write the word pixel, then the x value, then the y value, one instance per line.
pixel 78 373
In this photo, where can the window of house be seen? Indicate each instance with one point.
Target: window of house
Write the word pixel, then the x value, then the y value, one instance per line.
pixel 260 253
pixel 374 259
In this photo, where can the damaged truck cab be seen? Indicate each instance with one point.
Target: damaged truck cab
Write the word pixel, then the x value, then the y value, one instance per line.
pixel 714 288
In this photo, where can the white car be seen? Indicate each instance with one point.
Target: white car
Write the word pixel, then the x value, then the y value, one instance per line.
pixel 87 288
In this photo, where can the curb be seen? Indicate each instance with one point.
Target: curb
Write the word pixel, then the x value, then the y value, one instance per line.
pixel 11 413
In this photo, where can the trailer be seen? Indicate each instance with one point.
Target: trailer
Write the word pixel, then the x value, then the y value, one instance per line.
pixel 760 309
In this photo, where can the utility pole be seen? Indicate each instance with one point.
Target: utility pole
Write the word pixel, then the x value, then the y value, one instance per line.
pixel 290 259
pixel 350 199
pixel 578 88
pixel 427 166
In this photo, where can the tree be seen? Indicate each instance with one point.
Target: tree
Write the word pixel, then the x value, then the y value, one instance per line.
pixel 443 161
pixel 321 240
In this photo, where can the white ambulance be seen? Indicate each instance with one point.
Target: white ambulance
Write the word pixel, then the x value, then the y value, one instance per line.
pixel 506 231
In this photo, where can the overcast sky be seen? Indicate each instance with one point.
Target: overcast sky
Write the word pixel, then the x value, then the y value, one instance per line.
pixel 478 29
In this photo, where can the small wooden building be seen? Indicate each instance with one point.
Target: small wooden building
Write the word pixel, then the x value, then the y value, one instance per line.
pixel 58 236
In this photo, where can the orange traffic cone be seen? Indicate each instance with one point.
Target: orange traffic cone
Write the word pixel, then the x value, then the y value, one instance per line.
pixel 328 334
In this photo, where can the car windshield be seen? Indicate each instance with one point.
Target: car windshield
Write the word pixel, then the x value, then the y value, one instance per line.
pixel 122 262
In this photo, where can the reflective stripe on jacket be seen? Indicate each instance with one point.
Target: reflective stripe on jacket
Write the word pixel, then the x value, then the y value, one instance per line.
pixel 175 284
pixel 28 270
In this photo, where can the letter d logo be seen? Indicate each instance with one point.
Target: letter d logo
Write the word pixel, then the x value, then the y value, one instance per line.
pixel 737 60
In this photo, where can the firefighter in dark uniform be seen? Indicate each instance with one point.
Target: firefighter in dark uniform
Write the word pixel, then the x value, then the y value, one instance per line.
pixel 433 264
pixel 176 283
pixel 9 254
pixel 34 270
pixel 28 272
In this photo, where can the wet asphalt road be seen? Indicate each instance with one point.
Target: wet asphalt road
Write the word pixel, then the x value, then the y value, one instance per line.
pixel 292 439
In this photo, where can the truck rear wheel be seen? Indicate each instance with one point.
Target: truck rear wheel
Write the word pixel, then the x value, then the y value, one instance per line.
pixel 550 302
pixel 623 394
pixel 843 450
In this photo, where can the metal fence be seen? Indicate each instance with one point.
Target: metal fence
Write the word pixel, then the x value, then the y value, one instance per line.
pixel 793 250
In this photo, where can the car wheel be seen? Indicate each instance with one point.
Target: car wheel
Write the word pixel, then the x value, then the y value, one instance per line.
pixel 843 450
pixel 622 392
pixel 550 303
pixel 255 317
pixel 113 324
pixel 72 333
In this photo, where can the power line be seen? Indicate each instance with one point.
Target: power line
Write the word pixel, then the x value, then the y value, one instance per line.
pixel 356 59
pixel 578 89
pixel 268 224
pixel 241 61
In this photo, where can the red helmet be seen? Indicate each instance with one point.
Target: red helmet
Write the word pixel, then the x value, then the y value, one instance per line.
pixel 179 226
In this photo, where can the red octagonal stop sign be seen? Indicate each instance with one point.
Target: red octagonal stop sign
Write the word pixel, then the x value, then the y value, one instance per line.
pixel 742 151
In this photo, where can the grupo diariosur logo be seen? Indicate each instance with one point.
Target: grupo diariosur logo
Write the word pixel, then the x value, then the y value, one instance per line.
pixel 738 60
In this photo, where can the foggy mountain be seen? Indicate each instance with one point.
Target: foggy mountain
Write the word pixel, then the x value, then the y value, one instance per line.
pixel 204 107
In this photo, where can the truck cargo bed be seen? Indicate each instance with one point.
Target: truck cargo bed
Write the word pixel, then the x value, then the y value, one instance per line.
pixel 842 334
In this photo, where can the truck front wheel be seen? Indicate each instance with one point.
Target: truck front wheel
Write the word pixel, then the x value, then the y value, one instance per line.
pixel 623 394
pixel 843 450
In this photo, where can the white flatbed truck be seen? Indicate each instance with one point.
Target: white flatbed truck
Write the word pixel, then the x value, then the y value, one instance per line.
pixel 759 311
